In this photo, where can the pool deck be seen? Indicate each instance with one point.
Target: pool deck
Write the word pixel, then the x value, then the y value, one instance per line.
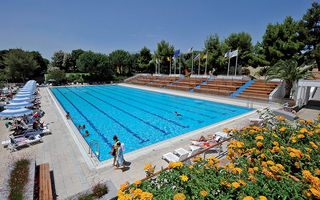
pixel 74 172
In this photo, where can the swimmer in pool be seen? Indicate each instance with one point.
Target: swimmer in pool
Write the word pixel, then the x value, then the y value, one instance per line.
pixel 177 113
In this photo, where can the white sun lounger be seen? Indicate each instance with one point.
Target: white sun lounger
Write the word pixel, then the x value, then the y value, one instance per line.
pixel 288 115
pixel 19 142
pixel 170 157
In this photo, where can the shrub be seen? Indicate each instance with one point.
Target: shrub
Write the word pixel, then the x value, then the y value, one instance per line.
pixel 278 161
pixel 18 179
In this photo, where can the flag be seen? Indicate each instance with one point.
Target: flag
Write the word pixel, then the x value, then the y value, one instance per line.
pixel 233 54
pixel 189 50
pixel 196 58
pixel 227 54
pixel 168 59
pixel 177 53
pixel 205 56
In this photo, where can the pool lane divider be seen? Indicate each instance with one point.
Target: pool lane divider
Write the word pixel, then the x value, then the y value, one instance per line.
pixel 116 107
pixel 138 108
pixel 113 119
pixel 182 100
pixel 198 113
pixel 144 103
pixel 89 122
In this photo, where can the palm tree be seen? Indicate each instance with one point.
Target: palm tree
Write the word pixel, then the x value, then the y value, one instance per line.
pixel 288 71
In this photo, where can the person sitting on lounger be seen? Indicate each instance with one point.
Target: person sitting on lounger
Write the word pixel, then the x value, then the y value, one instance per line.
pixel 204 144
pixel 68 115
pixel 204 139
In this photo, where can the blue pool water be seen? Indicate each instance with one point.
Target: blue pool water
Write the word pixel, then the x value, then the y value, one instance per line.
pixel 139 117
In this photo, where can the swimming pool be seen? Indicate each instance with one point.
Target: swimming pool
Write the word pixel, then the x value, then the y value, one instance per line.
pixel 139 117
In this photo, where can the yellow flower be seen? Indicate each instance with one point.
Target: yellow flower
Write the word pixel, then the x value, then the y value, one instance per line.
pixel 301 121
pixel 191 167
pixel 248 198
pixel 259 144
pixel 239 170
pixel 270 162
pixel 262 198
pixel 314 145
pixel 179 196
pixel 235 184
pixel 315 192
pixel 280 118
pixel 255 168
pixel 242 182
pixel 264 164
pixel 146 196
pixel 259 137
pixel 173 165
pixel 203 193
pixel 292 154
pixel 303 130
pixel 301 136
pixel 137 182
pixel 263 156
pixel 282 129
pixel 147 166
pixel 184 178
pixel 275 143
pixel 123 187
pixel 137 192
pixel 280 166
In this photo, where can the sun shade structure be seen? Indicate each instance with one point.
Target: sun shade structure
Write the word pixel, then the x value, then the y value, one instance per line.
pixel 15 112
pixel 23 95
pixel 18 105
pixel 18 100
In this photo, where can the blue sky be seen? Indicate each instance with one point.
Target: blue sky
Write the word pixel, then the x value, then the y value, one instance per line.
pixel 103 26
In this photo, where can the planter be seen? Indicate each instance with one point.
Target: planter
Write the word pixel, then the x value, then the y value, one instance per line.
pixel 112 192
pixel 28 188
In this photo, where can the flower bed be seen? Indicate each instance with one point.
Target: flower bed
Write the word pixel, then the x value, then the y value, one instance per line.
pixel 278 161
pixel 97 191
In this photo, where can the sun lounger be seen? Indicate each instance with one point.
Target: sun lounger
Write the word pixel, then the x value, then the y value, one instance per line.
pixel 170 157
pixel 16 143
pixel 288 115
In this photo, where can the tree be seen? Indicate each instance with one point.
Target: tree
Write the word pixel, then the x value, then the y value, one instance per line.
pixel 258 58
pixel 74 57
pixel 144 59
pixel 215 53
pixel 58 75
pixel 42 62
pixel 67 63
pixel 288 71
pixel 57 59
pixel 242 42
pixel 86 62
pixel 163 51
pixel 119 60
pixel 20 65
pixel 281 42
pixel 311 25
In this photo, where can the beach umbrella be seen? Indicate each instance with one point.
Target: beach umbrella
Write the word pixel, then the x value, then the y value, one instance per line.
pixel 18 105
pixel 15 112
pixel 28 99
pixel 22 95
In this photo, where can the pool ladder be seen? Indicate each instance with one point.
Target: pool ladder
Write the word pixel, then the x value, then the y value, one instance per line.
pixel 92 144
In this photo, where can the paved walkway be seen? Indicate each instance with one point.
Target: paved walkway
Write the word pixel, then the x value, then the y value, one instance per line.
pixel 72 174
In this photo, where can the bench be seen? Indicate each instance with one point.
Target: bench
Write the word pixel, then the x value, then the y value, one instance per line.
pixel 45 190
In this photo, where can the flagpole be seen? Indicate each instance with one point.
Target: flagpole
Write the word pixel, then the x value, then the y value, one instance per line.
pixel 192 64
pixel 180 64
pixel 199 65
pixel 228 66
pixel 159 66
pixel 235 71
pixel 156 66
pixel 205 71
pixel 170 66
pixel 175 65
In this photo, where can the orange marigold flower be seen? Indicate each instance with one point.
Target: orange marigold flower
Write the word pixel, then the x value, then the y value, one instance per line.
pixel 250 170
pixel 235 184
pixel 259 144
pixel 255 168
pixel 184 178
pixel 137 182
pixel 292 154
pixel 314 145
pixel 239 170
pixel 282 129
pixel 315 192
pixel 262 198
pixel 263 156
pixel 191 167
pixel 297 164
pixel 179 196
pixel 248 198
pixel 242 182
pixel 275 143
pixel 301 121
pixel 259 137
pixel 301 136
pixel 309 121
pixel 317 171
pixel 280 166
pixel 264 164
pixel 303 130
pixel 269 162
pixel 274 169
pixel 280 118
pixel 147 196
pixel 203 193
pixel 147 166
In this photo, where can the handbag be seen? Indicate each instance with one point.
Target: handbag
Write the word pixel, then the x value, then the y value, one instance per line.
pixel 113 151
